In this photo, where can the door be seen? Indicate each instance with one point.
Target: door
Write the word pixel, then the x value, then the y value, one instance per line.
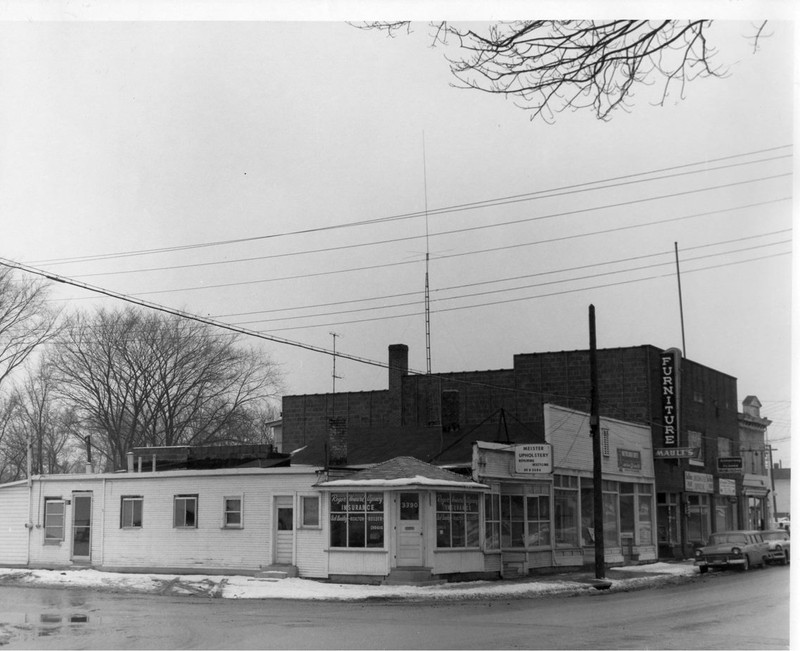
pixel 81 527
pixel 409 530
pixel 284 530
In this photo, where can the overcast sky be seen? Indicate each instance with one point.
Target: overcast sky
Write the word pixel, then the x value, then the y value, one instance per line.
pixel 134 135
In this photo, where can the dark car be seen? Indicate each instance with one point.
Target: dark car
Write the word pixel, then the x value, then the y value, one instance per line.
pixel 778 541
pixel 739 549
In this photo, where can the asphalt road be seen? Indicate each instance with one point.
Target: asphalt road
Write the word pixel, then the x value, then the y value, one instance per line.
pixel 726 610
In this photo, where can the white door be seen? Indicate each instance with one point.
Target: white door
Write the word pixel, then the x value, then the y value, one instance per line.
pixel 284 530
pixel 409 530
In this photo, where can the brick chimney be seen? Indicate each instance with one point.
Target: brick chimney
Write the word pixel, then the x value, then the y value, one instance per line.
pixel 337 441
pixel 398 365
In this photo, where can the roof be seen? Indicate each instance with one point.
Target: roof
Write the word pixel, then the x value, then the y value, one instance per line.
pixel 369 445
pixel 404 471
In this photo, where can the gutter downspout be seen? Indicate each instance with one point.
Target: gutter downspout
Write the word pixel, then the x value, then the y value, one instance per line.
pixel 29 523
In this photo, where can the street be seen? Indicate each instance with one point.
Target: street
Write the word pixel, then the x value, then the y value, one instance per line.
pixel 726 610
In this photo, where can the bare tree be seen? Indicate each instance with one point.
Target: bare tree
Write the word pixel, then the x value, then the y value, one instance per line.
pixel 141 378
pixel 548 66
pixel 25 320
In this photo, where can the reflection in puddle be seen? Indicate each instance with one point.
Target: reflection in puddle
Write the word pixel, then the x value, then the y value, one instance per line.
pixel 52 622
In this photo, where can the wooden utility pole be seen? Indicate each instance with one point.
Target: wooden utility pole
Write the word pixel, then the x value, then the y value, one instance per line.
pixel 597 455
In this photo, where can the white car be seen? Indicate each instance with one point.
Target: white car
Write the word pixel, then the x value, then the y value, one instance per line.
pixel 779 545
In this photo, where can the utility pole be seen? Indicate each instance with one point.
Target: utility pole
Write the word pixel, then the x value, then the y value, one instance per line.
pixel 680 298
pixel 597 455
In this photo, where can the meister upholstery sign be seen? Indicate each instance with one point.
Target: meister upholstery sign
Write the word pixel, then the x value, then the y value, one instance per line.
pixel 533 458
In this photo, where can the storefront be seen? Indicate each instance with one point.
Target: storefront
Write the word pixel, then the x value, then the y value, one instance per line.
pixel 541 511
pixel 755 511
pixel 403 519
pixel 699 492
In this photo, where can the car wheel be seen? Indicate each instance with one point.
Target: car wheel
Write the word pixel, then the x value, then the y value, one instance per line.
pixel 703 569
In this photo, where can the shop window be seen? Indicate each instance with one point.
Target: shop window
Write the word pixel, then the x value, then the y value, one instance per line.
pixel 698 519
pixel 565 511
pixel 309 511
pixel 357 520
pixel 457 520
pixel 185 512
pixel 512 531
pixel 491 509
pixel 610 513
pixel 232 512
pixel 645 514
pixel 53 519
pixel 130 513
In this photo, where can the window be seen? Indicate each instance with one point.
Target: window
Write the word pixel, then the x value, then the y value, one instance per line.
pixel 695 440
pixel 491 506
pixel 645 501
pixel 53 519
pixel 723 447
pixel 309 506
pixel 457 520
pixel 130 513
pixel 185 512
pixel 357 520
pixel 232 512
pixel 537 509
pixel 565 506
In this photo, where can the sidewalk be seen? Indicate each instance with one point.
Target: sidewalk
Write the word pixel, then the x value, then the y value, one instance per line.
pixel 245 587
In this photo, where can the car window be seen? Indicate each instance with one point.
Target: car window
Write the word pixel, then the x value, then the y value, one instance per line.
pixel 726 538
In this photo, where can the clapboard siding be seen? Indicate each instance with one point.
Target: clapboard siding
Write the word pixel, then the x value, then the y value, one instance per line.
pixel 158 543
pixel 13 518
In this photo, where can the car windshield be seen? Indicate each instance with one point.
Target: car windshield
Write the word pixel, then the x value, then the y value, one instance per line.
pixel 774 535
pixel 727 538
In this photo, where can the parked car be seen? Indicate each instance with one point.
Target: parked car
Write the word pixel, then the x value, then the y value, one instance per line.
pixel 740 549
pixel 778 541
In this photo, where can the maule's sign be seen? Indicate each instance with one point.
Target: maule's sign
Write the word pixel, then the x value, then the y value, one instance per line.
pixel 533 458
pixel 675 453
pixel 669 396
pixel 730 464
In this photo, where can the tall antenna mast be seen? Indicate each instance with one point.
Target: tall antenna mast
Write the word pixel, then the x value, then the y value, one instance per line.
pixel 333 373
pixel 680 298
pixel 427 265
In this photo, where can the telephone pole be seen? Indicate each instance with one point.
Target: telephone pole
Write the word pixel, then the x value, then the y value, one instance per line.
pixel 597 455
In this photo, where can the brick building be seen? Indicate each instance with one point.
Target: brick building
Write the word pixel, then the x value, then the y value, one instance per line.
pixel 438 417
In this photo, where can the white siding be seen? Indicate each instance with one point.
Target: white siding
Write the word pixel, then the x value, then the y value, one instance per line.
pixel 13 517
pixel 450 562
pixel 158 544
pixel 359 562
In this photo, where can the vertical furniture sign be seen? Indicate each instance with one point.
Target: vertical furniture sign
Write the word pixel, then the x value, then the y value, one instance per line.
pixel 670 368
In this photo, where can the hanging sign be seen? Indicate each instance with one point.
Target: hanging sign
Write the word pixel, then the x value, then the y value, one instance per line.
pixel 670 364
pixel 533 458
pixel 675 453
pixel 730 465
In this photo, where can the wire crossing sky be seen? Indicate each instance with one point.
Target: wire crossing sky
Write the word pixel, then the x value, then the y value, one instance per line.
pixel 230 171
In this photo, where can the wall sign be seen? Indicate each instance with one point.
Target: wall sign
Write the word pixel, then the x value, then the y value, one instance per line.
pixel 698 482
pixel 533 458
pixel 727 487
pixel 629 459
pixel 670 364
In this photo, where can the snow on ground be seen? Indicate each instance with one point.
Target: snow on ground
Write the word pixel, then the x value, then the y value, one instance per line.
pixel 245 587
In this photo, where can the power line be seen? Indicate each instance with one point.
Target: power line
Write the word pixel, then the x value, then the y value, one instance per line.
pixel 549 193
pixel 527 298
pixel 530 286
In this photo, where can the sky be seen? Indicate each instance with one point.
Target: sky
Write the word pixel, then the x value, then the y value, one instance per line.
pixel 224 164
